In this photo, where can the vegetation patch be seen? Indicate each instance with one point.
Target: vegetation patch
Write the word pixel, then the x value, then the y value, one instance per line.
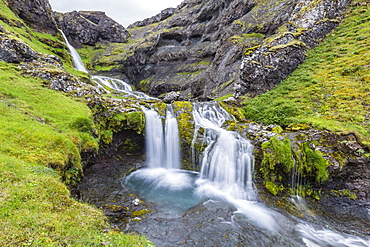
pixel 330 89
pixel 293 170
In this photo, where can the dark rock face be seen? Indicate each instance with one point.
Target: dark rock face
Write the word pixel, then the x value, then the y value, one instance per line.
pixel 186 47
pixel 198 48
pixel 36 13
pixel 13 51
pixel 211 48
pixel 305 23
pixel 157 18
pixel 90 27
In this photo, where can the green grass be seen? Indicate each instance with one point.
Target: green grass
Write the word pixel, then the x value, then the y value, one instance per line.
pixel 42 133
pixel 330 89
pixel 41 125
pixel 36 210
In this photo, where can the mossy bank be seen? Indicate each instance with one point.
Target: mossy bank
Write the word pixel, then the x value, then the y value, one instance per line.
pixel 44 133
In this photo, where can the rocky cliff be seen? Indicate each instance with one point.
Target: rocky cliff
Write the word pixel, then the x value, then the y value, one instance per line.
pixel 37 14
pixel 210 48
pixel 90 27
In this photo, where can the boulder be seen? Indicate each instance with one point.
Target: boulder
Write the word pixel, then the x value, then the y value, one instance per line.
pixel 90 27
pixel 36 13
pixel 14 51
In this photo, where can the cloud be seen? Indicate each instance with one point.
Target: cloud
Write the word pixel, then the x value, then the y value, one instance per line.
pixel 123 11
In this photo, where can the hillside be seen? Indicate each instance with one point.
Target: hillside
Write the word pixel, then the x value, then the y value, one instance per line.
pixel 207 49
pixel 55 123
pixel 43 134
pixel 330 89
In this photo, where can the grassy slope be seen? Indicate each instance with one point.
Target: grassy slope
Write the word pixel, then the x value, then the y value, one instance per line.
pixel 331 88
pixel 41 129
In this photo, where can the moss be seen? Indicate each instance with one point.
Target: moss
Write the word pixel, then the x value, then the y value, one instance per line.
pixel 130 146
pixel 276 164
pixel 160 107
pixel 233 110
pixel 247 40
pixel 314 164
pixel 294 43
pixel 280 163
pixel 184 111
pixel 140 212
pixel 277 130
pixel 296 127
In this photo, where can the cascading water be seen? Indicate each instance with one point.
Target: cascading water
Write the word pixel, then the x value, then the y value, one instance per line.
pixel 106 83
pixel 112 83
pixel 227 161
pixel 226 172
pixel 163 148
pixel 162 182
pixel 76 59
pixel 227 165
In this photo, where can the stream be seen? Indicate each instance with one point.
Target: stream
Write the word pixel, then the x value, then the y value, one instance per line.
pixel 219 205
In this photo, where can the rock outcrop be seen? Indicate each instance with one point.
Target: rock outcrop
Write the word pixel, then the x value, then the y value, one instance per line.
pixel 199 47
pixel 36 13
pixel 303 25
pixel 90 27
pixel 13 51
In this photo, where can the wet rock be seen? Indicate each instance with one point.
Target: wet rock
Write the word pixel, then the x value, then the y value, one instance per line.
pixel 170 97
pixel 90 27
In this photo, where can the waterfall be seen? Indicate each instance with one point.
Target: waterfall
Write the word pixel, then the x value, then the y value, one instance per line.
pixel 227 166
pixel 162 182
pixel 112 83
pixel 103 82
pixel 172 142
pixel 76 59
pixel 163 149
pixel 227 161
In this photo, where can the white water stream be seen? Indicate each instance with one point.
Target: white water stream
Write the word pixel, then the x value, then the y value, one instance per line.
pixel 226 170
pixel 108 84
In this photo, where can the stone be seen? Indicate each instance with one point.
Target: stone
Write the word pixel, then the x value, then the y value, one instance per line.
pixel 171 96
pixel 14 51
pixel 36 13
pixel 90 27
pixel 216 48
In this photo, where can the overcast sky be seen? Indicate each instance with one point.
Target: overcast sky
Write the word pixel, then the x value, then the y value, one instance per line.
pixel 125 12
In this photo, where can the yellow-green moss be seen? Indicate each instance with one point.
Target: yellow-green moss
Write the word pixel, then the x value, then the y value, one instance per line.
pixel 184 111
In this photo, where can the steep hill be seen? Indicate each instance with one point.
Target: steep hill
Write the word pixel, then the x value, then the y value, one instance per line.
pixel 44 134
pixel 198 48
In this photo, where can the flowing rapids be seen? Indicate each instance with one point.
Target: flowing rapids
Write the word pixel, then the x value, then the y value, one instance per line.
pixel 107 84
pixel 226 175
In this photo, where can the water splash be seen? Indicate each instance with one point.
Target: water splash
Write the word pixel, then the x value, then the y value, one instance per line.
pixel 162 145
pixel 227 161
pixel 326 238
